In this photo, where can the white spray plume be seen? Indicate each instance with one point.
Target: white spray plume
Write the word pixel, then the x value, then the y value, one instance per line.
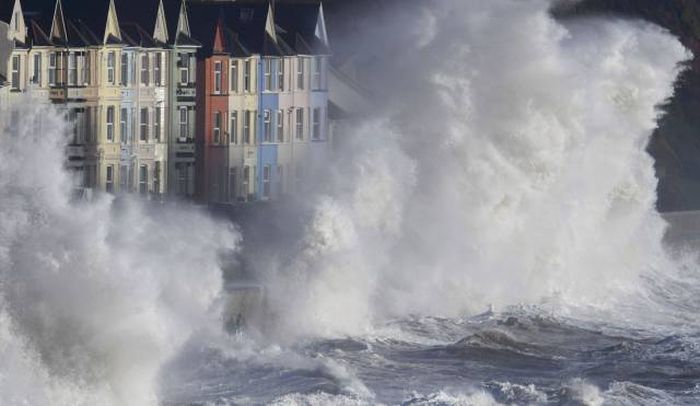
pixel 510 167
pixel 93 298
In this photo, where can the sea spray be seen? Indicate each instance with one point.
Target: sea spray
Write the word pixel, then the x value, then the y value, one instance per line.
pixel 94 298
pixel 510 166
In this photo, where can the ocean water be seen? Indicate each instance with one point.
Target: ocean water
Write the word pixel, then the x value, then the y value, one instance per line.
pixel 487 236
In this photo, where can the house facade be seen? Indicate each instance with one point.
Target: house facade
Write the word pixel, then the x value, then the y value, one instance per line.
pixel 225 102
pixel 263 117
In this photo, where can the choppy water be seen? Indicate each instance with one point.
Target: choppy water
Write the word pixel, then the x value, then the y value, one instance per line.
pixel 520 357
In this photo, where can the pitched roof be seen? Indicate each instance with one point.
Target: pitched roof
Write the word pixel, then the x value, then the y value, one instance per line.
pixel 92 14
pixel 243 24
pixel 134 35
pixel 143 13
pixel 299 22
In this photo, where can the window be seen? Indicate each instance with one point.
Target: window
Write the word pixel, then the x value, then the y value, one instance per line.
pixel 86 69
pixel 156 124
pixel 36 78
pixel 216 134
pixel 144 125
pixel 143 179
pixel 266 181
pixel 280 74
pixel 72 69
pixel 16 21
pixel 52 69
pixel 317 73
pixel 246 181
pixel 109 184
pixel 234 76
pixel 268 74
pixel 145 75
pixel 280 125
pixel 125 69
pixel 184 124
pixel 110 67
pixel 232 184
pixel 217 77
pixel 246 76
pixel 183 63
pixel 110 124
pixel 181 170
pixel 157 66
pixel 15 72
pixel 156 178
pixel 122 123
pixel 317 124
pixel 300 123
pixel 300 73
pixel 267 126
pixel 246 127
pixel 233 129
pixel 60 79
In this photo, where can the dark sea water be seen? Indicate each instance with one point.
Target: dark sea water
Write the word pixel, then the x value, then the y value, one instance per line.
pixel 519 357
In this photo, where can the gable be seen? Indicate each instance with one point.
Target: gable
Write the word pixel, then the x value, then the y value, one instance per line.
pixel 270 24
pixel 320 31
pixel 58 25
pixel 18 28
pixel 183 23
pixel 160 32
pixel 112 26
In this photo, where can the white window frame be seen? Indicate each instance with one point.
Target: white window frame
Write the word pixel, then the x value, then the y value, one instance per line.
pixel 143 124
pixel 36 78
pixel 233 78
pixel 110 123
pixel 316 130
pixel 280 74
pixel 157 113
pixel 184 124
pixel 16 69
pixel 247 76
pixel 143 180
pixel 216 128
pixel 72 69
pixel 233 129
pixel 218 76
pixel 267 125
pixel 124 116
pixel 111 56
pixel 247 121
pixel 280 126
pixel 300 124
pixel 267 74
pixel 109 179
pixel 125 69
pixel 52 68
pixel 184 62
pixel 145 70
pixel 157 69
pixel 300 73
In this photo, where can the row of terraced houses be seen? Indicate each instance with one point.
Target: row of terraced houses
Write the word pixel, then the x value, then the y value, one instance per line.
pixel 222 101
